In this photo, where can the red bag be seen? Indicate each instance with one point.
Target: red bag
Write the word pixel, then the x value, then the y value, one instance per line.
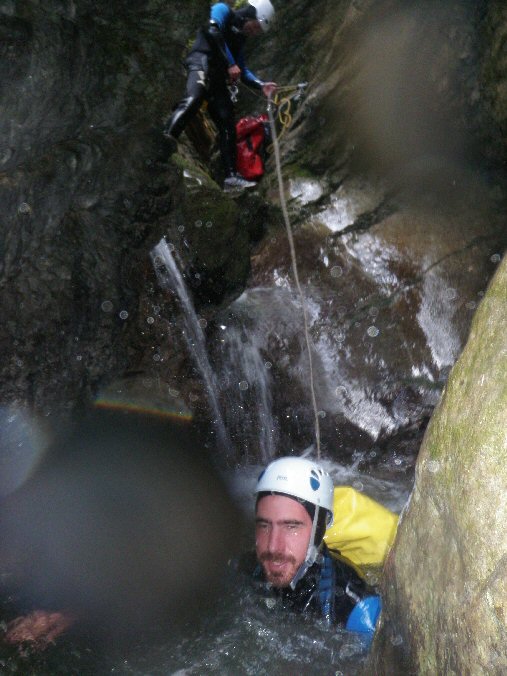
pixel 250 136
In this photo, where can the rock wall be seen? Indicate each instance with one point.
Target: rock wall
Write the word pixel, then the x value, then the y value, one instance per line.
pixel 86 190
pixel 445 586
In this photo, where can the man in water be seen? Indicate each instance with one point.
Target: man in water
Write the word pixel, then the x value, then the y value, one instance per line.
pixel 294 506
pixel 215 62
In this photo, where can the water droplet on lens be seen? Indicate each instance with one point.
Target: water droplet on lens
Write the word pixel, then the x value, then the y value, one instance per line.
pixel 495 258
pixel 150 320
pixel 203 323
pixel 268 365
pixel 24 208
pixel 181 228
pixel 209 224
pixel 173 392
pixel 170 246
pixel 198 224
pixel 243 385
pixel 358 485
pixel 341 391
pixel 451 294
pixel 321 414
pixel 373 454
pixel 373 311
pixel 107 306
pixel 156 357
pixel 471 305
pixel 79 357
pixel 398 461
pixel 372 331
pixel 336 271
pixel 124 314
pixel 397 640
pixel 433 466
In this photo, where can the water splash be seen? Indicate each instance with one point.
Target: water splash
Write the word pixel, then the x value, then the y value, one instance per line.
pixel 170 277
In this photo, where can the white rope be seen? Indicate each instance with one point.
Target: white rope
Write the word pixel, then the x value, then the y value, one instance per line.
pixel 283 203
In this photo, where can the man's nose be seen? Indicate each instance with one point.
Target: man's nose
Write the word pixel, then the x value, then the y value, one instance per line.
pixel 276 540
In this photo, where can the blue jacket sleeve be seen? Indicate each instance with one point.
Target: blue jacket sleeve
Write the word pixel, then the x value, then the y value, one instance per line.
pixel 247 76
pixel 364 616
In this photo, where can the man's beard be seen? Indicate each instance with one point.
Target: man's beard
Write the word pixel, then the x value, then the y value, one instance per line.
pixel 280 578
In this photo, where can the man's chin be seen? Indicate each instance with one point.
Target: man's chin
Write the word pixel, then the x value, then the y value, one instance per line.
pixel 278 580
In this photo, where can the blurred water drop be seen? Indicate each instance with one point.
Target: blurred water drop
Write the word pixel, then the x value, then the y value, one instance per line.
pixel 79 357
pixel 268 365
pixel 496 258
pixel 451 294
pixel 181 228
pixel 348 650
pixel 107 306
pixel 203 323
pixel 209 224
pixel 24 208
pixel 358 485
pixel 397 640
pixel 123 314
pixel 336 271
pixel 321 414
pixel 243 385
pixel 471 305
pixel 198 224
pixel 373 311
pixel 150 320
pixel 433 466
pixel 170 246
pixel 372 331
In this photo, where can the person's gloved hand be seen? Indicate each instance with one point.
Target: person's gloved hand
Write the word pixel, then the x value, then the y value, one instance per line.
pixel 269 88
pixel 234 73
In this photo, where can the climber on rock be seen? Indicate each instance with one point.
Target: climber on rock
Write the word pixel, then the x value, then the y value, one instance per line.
pixel 215 62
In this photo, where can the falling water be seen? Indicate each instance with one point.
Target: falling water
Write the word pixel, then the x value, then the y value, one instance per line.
pixel 249 398
pixel 170 277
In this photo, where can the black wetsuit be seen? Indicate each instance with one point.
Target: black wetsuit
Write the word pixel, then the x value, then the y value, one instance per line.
pixel 216 48
pixel 330 589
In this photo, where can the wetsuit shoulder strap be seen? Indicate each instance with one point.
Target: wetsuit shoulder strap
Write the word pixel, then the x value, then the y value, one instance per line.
pixel 327 584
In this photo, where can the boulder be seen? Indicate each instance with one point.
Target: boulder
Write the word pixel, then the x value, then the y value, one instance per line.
pixel 445 593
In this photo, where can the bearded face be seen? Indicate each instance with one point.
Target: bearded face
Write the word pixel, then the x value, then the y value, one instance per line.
pixel 282 533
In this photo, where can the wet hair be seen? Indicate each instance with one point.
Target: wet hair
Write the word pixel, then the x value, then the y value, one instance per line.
pixel 310 508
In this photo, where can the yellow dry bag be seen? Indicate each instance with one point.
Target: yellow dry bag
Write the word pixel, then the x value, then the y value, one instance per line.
pixel 363 530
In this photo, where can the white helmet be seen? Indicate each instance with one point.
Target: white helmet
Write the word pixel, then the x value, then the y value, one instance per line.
pixel 299 478
pixel 305 480
pixel 265 13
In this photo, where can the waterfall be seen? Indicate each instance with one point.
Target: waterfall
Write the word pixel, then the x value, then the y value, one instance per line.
pixel 248 391
pixel 170 277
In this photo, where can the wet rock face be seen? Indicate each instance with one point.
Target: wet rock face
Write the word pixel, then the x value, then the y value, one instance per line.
pixel 389 310
pixel 85 187
pixel 494 70
pixel 445 585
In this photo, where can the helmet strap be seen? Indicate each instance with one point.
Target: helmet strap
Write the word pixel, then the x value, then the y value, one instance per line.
pixel 311 552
